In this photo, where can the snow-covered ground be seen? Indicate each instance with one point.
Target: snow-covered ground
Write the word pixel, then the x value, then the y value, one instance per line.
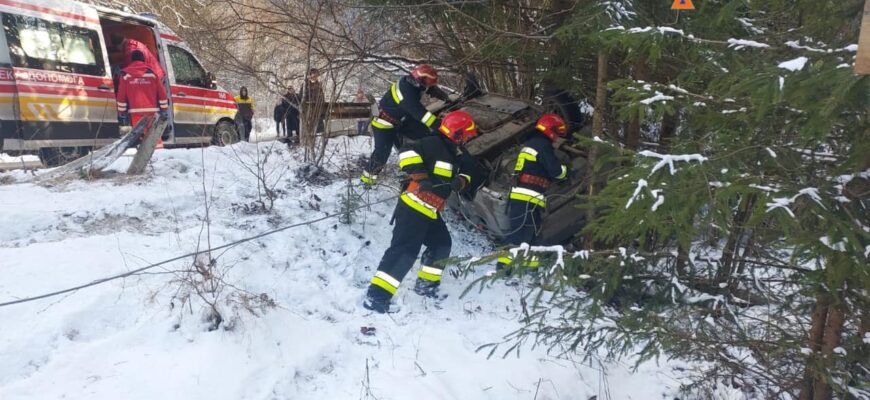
pixel 136 338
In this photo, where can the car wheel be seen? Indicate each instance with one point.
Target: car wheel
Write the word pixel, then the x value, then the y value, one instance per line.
pixel 225 134
pixel 563 103
pixel 56 156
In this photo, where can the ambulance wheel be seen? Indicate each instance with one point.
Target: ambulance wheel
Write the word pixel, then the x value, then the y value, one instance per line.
pixel 225 134
pixel 55 156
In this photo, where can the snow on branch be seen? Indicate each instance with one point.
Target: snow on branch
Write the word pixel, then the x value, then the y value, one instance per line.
pixel 785 202
pixel 659 96
pixel 641 183
pixel 668 159
pixel 738 44
pixel 794 65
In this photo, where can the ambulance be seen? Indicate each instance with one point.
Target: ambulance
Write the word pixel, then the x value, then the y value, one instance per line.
pixel 57 95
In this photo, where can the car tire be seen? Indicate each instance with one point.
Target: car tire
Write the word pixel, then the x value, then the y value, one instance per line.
pixel 563 103
pixel 56 156
pixel 225 134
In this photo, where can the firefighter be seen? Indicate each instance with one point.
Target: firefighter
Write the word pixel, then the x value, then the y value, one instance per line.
pixel 402 113
pixel 435 169
pixel 140 92
pixel 535 169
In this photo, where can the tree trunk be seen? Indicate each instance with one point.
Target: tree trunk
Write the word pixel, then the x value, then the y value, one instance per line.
pixel 600 96
pixel 668 131
pixel 597 130
pixel 732 246
pixel 814 343
pixel 830 341
pixel 632 132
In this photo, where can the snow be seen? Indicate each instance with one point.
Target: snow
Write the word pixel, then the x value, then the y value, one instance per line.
pixel 793 65
pixel 137 339
pixel 669 159
pixel 658 97
pixel 677 89
pixel 659 201
pixel 839 246
pixel 806 351
pixel 852 47
pixel 641 183
pixel 6 158
pixel 770 151
pixel 785 202
pixel 764 188
pixel 839 350
pixel 738 44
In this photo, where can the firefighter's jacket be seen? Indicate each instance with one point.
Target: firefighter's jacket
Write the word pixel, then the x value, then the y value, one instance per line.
pixel 402 105
pixel 432 164
pixel 535 169
pixel 140 90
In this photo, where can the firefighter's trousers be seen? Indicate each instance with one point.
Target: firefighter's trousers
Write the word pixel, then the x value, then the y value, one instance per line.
pixel 525 221
pixel 411 232
pixel 385 140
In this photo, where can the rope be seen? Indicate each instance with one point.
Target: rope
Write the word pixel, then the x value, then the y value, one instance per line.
pixel 196 253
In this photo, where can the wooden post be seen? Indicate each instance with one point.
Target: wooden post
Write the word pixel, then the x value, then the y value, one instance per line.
pixel 146 148
pixel 862 64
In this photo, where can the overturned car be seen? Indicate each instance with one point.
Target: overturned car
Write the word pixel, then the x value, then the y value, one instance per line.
pixel 503 125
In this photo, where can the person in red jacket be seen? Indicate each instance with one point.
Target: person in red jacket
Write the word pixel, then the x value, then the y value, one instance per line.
pixel 140 92
pixel 126 47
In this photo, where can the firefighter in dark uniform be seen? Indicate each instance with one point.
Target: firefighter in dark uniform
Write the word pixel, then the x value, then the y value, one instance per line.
pixel 536 168
pixel 433 165
pixel 402 113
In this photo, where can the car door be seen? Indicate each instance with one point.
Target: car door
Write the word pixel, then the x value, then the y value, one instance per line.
pixel 196 106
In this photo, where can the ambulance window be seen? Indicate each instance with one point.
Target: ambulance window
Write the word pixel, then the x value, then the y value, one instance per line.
pixel 53 46
pixel 186 69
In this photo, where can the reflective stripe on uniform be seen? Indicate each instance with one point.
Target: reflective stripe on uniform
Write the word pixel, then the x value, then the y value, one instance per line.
pixel 428 119
pixel 444 169
pixel 467 177
pixel 381 123
pixel 564 173
pixel 526 154
pixel 138 110
pixel 419 205
pixel 531 196
pixel 368 178
pixel 430 274
pixel 409 157
pixel 386 282
pixel 397 93
pixel 531 262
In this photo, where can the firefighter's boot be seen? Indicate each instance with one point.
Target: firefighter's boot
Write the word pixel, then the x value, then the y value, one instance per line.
pixel 427 288
pixel 379 304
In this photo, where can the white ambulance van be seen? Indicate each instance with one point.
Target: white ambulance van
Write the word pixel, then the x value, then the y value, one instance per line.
pixel 57 95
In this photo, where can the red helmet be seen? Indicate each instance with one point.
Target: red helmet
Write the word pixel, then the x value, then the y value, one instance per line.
pixel 552 125
pixel 425 74
pixel 458 126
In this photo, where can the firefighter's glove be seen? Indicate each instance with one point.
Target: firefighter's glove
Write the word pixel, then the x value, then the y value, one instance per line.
pixel 123 119
pixel 458 184
pixel 163 113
